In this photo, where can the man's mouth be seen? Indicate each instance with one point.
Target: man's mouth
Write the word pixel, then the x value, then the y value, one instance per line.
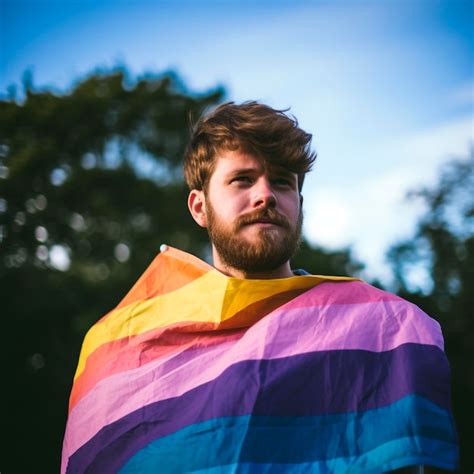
pixel 266 222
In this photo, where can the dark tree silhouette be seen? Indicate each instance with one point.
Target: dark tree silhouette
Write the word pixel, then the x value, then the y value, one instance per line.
pixel 444 246
pixel 90 186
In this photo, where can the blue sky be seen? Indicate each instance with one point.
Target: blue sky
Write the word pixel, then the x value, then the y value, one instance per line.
pixel 386 87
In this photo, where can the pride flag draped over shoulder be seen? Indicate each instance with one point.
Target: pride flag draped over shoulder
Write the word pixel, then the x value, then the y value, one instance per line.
pixel 195 371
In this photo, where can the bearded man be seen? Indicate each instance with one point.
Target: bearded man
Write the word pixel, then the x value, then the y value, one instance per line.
pixel 245 188
pixel 246 365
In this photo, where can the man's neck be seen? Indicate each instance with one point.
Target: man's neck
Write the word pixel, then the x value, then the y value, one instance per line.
pixel 283 271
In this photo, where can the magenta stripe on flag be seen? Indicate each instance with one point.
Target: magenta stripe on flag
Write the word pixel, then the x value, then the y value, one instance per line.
pixel 345 292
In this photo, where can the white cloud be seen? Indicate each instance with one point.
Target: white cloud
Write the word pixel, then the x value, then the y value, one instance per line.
pixel 327 220
pixel 371 213
pixel 428 148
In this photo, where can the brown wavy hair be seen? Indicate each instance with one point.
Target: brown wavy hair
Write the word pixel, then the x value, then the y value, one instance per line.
pixel 254 128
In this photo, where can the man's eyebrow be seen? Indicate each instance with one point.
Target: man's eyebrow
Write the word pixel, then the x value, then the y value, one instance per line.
pixel 283 173
pixel 277 173
pixel 242 171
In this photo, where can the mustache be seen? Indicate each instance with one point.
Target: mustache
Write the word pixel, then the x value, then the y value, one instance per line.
pixel 267 215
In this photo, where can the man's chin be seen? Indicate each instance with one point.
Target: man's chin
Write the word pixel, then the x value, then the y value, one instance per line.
pixel 256 232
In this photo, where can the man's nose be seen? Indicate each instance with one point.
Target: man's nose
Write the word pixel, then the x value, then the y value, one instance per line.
pixel 263 194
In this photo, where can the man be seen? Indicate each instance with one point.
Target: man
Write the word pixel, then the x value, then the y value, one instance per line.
pixel 247 193
pixel 243 366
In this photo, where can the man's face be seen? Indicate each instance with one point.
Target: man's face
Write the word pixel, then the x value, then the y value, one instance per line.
pixel 253 212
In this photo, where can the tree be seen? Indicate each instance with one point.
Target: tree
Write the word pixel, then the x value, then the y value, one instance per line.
pixel 443 245
pixel 90 186
pixel 90 179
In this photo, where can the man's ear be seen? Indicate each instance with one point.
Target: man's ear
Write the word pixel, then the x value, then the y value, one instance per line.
pixel 197 206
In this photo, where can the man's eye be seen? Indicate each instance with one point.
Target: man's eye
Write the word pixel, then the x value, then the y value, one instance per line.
pixel 241 179
pixel 282 182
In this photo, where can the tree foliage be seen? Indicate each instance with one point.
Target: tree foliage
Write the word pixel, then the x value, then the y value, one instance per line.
pixel 90 186
pixel 443 245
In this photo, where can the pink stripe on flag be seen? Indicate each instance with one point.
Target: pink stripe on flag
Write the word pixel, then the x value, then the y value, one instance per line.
pixel 343 292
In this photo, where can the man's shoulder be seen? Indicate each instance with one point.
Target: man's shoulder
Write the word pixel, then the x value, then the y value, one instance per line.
pixel 361 303
pixel 352 290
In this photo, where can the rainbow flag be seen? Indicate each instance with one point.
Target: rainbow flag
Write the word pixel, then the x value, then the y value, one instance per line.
pixel 198 372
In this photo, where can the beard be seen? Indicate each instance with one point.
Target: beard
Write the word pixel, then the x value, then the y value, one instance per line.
pixel 267 251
